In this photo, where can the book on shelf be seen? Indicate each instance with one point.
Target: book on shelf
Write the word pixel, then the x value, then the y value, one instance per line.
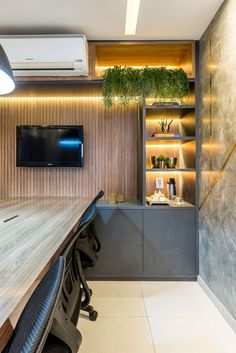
pixel 165 135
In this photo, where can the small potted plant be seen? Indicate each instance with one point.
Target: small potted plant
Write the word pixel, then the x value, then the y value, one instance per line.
pixel 161 162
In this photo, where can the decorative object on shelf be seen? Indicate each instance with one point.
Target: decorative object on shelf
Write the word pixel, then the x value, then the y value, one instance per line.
pixel 128 83
pixel 171 162
pixel 157 199
pixel 176 201
pixel 171 188
pixel 112 198
pixel 156 134
pixel 159 183
pixel 165 104
pixel 116 198
pixel 165 125
pixel 154 161
pixel 161 162
pixel 120 197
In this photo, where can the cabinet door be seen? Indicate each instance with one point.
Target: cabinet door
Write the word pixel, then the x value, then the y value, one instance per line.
pixel 121 235
pixel 170 243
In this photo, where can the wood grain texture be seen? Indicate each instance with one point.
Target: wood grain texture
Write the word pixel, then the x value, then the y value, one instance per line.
pixel 30 242
pixel 110 142
pixel 6 332
pixel 143 53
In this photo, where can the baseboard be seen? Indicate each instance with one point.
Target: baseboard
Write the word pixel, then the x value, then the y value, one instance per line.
pixel 219 306
pixel 93 277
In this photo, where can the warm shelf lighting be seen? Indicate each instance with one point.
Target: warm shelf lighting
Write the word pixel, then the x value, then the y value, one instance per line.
pixel 49 99
pixel 170 145
pixel 155 120
pixel 102 68
pixel 132 12
pixel 164 172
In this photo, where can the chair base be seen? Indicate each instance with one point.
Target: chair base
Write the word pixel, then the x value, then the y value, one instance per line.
pixel 93 314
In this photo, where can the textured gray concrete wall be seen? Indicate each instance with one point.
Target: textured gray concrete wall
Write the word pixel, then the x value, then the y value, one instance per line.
pixel 218 156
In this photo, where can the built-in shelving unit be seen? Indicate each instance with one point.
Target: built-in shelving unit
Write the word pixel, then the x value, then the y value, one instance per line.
pixel 182 145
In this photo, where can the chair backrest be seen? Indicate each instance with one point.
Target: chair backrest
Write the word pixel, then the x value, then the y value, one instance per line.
pixel 71 287
pixel 88 216
pixel 98 196
pixel 90 213
pixel 36 319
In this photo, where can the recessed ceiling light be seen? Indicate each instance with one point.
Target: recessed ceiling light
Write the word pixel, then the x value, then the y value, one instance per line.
pixel 131 16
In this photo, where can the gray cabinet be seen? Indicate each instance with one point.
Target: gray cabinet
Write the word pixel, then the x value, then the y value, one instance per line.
pixel 146 243
pixel 121 234
pixel 170 243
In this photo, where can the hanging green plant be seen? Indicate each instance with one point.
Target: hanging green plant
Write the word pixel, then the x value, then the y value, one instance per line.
pixel 128 83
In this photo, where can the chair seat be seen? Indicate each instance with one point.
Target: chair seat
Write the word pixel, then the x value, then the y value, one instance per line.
pixel 55 345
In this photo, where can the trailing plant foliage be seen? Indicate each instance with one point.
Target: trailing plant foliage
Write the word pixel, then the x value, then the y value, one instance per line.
pixel 128 83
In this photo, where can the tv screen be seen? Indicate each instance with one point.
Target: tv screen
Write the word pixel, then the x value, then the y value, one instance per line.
pixel 49 146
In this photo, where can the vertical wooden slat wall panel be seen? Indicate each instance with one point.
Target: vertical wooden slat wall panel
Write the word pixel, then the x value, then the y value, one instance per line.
pixel 110 144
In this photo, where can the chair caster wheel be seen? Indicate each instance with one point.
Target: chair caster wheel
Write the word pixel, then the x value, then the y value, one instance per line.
pixel 91 292
pixel 93 315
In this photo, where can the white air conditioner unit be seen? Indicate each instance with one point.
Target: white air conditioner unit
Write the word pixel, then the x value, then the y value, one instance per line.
pixel 47 55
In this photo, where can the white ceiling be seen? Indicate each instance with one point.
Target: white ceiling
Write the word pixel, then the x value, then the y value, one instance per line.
pixel 105 19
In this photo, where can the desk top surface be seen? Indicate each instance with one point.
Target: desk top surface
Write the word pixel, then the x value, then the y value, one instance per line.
pixel 29 241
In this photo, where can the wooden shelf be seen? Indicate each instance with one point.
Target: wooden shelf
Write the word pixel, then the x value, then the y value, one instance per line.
pixel 182 110
pixel 151 106
pixel 170 170
pixel 183 205
pixel 168 140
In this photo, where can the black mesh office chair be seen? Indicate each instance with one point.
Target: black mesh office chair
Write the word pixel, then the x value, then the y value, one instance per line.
pixel 33 332
pixel 72 284
pixel 75 291
pixel 87 242
pixel 88 231
pixel 87 245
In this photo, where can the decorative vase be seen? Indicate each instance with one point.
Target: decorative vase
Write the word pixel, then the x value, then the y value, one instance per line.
pixel 171 162
pixel 154 161
pixel 161 164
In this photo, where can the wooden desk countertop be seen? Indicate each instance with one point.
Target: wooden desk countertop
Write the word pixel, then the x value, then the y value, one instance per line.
pixel 29 243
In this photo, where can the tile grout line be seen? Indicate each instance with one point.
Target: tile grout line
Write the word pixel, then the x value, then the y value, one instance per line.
pixel 149 326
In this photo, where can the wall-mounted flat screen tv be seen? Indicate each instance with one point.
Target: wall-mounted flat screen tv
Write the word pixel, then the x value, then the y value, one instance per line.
pixel 49 146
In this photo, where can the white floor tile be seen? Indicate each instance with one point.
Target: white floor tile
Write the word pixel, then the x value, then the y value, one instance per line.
pixel 123 299
pixel 181 317
pixel 168 288
pixel 181 335
pixel 116 335
pixel 221 331
pixel 169 299
pixel 116 288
